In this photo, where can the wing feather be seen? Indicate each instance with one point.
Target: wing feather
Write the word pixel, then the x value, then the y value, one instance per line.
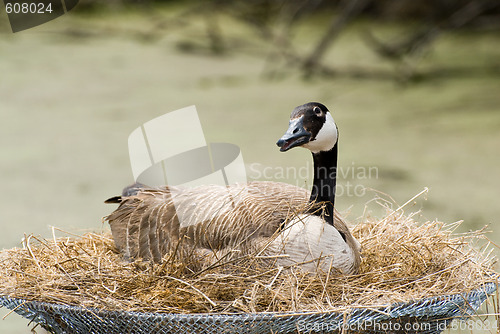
pixel 143 234
pixel 133 229
pixel 154 245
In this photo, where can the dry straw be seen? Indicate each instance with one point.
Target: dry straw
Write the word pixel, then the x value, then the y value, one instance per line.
pixel 403 260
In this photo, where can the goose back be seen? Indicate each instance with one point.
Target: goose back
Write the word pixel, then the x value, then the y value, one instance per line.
pixel 152 222
pixel 158 221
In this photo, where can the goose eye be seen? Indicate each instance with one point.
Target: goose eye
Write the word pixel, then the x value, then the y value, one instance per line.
pixel 317 110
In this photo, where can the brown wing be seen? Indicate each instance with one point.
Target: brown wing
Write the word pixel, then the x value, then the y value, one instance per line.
pixel 152 223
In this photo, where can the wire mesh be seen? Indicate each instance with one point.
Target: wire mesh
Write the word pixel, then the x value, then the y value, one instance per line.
pixel 429 315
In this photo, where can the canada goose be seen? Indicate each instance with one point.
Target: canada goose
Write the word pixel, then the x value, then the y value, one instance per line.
pixel 151 222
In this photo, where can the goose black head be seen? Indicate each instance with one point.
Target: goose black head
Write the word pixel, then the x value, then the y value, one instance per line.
pixel 311 126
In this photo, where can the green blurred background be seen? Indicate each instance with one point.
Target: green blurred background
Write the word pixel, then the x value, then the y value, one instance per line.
pixel 413 86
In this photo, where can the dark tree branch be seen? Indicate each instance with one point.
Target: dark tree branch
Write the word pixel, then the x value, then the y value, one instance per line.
pixel 423 38
pixel 350 9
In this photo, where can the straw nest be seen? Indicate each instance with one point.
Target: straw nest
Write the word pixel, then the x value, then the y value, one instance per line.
pixel 403 260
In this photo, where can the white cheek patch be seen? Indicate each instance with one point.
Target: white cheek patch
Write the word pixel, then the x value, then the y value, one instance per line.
pixel 326 137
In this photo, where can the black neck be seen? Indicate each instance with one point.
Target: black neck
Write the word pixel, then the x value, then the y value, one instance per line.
pixel 325 180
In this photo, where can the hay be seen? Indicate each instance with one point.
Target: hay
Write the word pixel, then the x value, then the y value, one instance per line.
pixel 403 260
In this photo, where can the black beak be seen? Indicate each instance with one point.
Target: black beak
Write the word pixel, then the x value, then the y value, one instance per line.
pixel 296 135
